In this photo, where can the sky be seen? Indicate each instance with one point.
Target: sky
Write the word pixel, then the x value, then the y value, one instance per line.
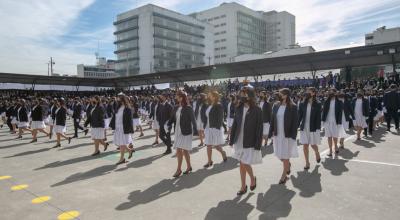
pixel 72 31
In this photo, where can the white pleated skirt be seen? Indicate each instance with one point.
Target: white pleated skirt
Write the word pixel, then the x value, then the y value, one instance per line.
pixel 229 122
pixel 360 121
pixel 214 137
pixel 266 128
pixel 136 122
pixel 313 138
pixel 120 138
pixel 107 123
pixel 97 133
pixel 47 121
pixel 38 125
pixel 155 125
pixel 183 142
pixel 14 120
pixel 200 125
pixel 378 116
pixel 285 148
pixel 248 156
pixel 23 124
pixel 333 130
pixel 59 129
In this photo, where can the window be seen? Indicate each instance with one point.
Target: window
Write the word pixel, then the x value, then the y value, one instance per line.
pixel 223 55
pixel 216 25
pixel 369 37
pixel 210 19
pixel 223 16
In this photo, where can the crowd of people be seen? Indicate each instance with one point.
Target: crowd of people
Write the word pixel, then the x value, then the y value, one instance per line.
pixel 247 117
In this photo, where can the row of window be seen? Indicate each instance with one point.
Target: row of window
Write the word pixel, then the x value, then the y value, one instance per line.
pixel 184 56
pixel 177 45
pixel 127 44
pixel 221 40
pixel 220 25
pixel 98 74
pixel 252 43
pixel 214 18
pixel 178 35
pixel 129 54
pixel 218 33
pixel 220 56
pixel 177 25
pixel 220 48
pixel 127 24
pixel 132 64
pixel 163 64
pixel 126 35
pixel 245 18
pixel 252 36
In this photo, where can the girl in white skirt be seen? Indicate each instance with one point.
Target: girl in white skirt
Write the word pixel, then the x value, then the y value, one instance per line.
pixel 153 116
pixel 14 115
pixel 52 115
pixel 246 137
pixel 347 116
pixel 135 116
pixel 266 108
pixel 283 131
pixel 332 118
pixel 97 124
pixel 360 108
pixel 23 119
pixel 310 125
pixel 200 114
pixel 108 112
pixel 185 126
pixel 37 121
pixel 213 132
pixel 230 114
pixel 121 123
pixel 60 123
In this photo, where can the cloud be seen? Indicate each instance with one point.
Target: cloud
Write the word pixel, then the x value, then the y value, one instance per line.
pixel 30 30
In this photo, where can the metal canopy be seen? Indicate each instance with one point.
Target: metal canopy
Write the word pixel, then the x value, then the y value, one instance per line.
pixel 324 60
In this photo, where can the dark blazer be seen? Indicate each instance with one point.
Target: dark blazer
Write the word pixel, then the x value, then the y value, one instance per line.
pixel 135 112
pixel 267 112
pixel 348 110
pixel 231 110
pixel 315 115
pixel 365 106
pixel 252 130
pixel 216 117
pixel 53 109
pixel 109 111
pixel 152 110
pixel 164 113
pixel 373 106
pixel 187 121
pixel 126 121
pixel 61 116
pixel 338 110
pixel 290 121
pixel 77 111
pixel 22 114
pixel 88 110
pixel 37 113
pixel 97 117
pixel 391 100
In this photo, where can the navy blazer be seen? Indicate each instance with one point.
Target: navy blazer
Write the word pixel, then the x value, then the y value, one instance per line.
pixel 22 114
pixel 216 116
pixel 61 116
pixel 290 121
pixel 97 118
pixel 315 115
pixel 365 106
pixel 37 113
pixel 267 112
pixel 187 121
pixel 338 110
pixel 126 121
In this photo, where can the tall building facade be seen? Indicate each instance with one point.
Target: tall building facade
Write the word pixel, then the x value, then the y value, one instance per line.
pixel 153 39
pixel 383 35
pixel 240 30
pixel 103 69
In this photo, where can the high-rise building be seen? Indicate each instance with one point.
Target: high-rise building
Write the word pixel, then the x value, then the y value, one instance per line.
pixel 383 35
pixel 153 39
pixel 241 30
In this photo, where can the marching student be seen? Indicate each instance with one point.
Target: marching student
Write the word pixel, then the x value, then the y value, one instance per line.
pixel 60 122
pixel 347 117
pixel 52 115
pixel 22 118
pixel 14 116
pixel 153 116
pixel 135 116
pixel 391 101
pixel 200 110
pixel 77 116
pixel 230 114
pixel 266 107
pixel 97 125
pixel 164 112
pixel 310 125
pixel 109 111
pixel 37 121
pixel 213 130
pixel 121 123
pixel 283 130
pixel 361 109
pixel 185 127
pixel 246 137
pixel 372 112
pixel 332 118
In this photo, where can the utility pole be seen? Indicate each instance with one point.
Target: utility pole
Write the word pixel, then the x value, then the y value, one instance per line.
pixel 209 60
pixel 51 65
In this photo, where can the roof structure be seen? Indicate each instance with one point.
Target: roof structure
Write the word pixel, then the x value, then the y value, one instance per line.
pixel 380 54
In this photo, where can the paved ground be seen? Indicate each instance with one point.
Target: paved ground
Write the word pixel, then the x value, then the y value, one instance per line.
pixel 362 183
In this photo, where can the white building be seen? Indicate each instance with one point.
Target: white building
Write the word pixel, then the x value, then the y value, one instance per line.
pixel 293 50
pixel 103 69
pixel 241 30
pixel 383 35
pixel 153 39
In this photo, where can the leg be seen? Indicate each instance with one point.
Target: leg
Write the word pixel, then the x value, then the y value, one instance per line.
pixel 187 158
pixel 242 177
pixel 179 156
pixel 209 154
pixel 223 153
pixel 249 171
pixel 305 150
pixel 330 145
pixel 316 151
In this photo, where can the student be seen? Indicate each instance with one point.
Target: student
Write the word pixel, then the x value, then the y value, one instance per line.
pixel 97 125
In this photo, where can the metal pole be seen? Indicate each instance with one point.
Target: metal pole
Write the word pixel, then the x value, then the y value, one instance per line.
pixel 51 65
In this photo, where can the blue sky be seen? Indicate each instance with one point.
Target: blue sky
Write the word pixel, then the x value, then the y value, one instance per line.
pixel 71 31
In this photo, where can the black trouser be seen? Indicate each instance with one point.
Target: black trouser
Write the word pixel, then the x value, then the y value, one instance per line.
pixel 165 137
pixel 391 113
pixel 77 126
pixel 370 123
pixel 9 124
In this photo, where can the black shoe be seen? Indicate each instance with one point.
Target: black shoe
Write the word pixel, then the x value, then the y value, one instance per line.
pixel 176 175
pixel 188 171
pixel 75 136
pixel 106 146
pixel 252 188
pixel 95 154
pixel 131 153
pixel 329 155
pixel 33 141
pixel 86 131
pixel 242 192
pixel 155 143
pixel 208 165
pixel 69 140
pixel 289 171
pixel 281 182
pixel 319 160
pixel 51 135
pixel 58 145
pixel 120 162
pixel 168 151
pixel 200 145
pixel 225 158
pixel 306 167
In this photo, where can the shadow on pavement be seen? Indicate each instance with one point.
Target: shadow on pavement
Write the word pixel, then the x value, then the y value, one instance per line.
pixel 29 152
pixel 308 183
pixel 140 163
pixel 275 203
pixel 168 186
pixel 231 209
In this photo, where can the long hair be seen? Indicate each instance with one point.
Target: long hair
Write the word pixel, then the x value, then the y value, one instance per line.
pixel 185 101
pixel 286 91
pixel 124 101
pixel 216 97
pixel 312 89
